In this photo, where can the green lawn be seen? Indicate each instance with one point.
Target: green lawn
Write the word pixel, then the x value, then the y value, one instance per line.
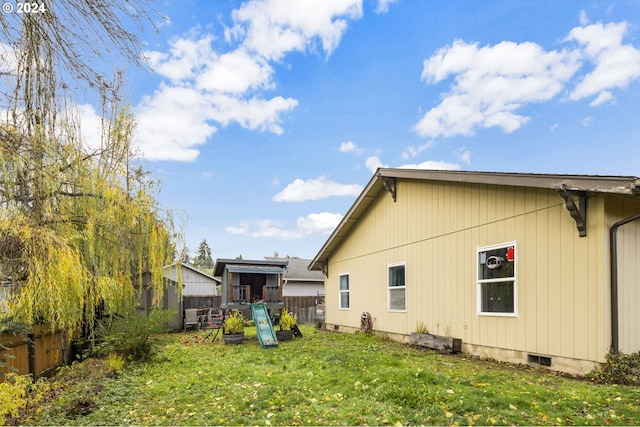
pixel 325 379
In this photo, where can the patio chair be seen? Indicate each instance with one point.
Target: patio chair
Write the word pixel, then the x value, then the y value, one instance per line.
pixel 216 322
pixel 191 318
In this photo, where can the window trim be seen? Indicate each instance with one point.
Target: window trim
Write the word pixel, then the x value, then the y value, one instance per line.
pixel 480 282
pixel 389 287
pixel 340 291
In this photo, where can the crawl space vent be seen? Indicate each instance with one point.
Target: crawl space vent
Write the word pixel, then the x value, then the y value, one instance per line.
pixel 539 360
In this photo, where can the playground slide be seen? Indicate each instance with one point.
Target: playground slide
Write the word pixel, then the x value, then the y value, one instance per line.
pixel 264 328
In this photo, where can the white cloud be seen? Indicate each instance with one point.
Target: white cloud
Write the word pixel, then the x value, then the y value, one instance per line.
pixel 90 127
pixel 236 72
pixel 433 165
pixel 583 18
pixel 207 89
pixel 238 230
pixel 314 223
pixel 315 189
pixel 616 65
pixel 492 83
pixel 604 96
pixel 373 163
pixel 272 28
pixel 204 89
pixel 172 122
pixel 348 147
pixel 412 151
pixel 270 229
pixel 186 58
pixel 319 223
pixel 254 113
pixel 464 155
pixel 383 6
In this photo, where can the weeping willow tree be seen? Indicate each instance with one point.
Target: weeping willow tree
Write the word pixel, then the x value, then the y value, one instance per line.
pixel 80 231
pixel 79 225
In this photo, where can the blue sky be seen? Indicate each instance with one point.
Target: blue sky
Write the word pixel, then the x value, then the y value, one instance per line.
pixel 264 119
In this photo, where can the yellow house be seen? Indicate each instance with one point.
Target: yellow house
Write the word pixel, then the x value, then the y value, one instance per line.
pixel 517 266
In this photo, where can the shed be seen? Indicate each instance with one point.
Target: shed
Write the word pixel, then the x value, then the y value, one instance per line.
pixel 526 268
pixel 199 289
pixel 248 281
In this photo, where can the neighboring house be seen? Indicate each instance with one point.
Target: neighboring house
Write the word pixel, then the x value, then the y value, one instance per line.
pixel 299 281
pixel 518 266
pixel 195 283
pixel 247 281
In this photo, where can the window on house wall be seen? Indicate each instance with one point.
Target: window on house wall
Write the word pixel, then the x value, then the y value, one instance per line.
pixel 397 287
pixel 344 291
pixel 497 285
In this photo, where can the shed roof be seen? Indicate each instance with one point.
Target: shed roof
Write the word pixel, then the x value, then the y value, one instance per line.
pixel 258 269
pixel 248 265
pixel 385 177
pixel 192 268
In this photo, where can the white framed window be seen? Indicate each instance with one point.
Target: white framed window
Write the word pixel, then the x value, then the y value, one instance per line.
pixel 497 283
pixel 397 287
pixel 344 291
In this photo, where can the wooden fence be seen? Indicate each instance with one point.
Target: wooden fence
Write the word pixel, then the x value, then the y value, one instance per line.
pixel 212 301
pixel 303 307
pixel 36 353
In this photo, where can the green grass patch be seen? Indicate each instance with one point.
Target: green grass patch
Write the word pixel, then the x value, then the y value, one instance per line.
pixel 326 378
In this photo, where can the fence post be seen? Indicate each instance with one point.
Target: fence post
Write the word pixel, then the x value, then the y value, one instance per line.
pixel 32 355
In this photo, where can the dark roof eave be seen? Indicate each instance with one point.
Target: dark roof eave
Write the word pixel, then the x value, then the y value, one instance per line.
pixel 593 183
pixel 629 185
pixel 221 262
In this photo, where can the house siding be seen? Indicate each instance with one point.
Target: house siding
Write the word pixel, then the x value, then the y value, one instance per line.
pixel 436 228
pixel 302 289
pixel 197 285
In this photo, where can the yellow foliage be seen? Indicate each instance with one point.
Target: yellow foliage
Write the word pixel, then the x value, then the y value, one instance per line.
pixel 84 227
pixel 53 290
pixel 13 395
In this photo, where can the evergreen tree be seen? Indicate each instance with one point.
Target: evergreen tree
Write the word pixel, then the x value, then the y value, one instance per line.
pixel 203 259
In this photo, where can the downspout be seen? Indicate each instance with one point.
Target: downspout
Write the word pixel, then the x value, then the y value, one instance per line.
pixel 614 280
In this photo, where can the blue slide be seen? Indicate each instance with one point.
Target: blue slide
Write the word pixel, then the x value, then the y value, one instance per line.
pixel 264 328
